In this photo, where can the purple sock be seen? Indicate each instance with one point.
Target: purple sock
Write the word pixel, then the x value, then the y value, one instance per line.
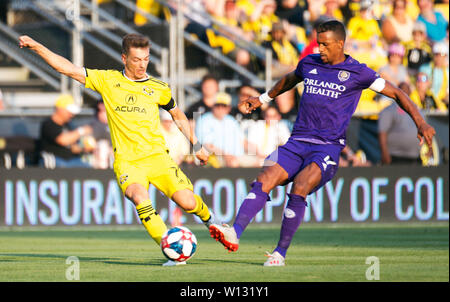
pixel 293 216
pixel 254 202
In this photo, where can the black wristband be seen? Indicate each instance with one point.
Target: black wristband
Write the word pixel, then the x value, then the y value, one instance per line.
pixel 197 146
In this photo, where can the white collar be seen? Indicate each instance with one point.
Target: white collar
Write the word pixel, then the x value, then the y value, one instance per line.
pixel 140 80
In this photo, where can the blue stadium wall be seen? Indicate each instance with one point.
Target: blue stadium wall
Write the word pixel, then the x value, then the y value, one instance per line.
pixel 39 197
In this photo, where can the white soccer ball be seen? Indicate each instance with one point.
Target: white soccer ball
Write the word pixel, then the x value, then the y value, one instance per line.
pixel 179 244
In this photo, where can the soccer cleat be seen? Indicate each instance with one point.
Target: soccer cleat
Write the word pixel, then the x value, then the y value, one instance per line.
pixel 174 263
pixel 211 220
pixel 225 235
pixel 275 259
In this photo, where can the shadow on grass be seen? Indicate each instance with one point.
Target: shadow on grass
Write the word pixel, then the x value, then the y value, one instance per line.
pixel 54 256
pixel 107 260
pixel 119 261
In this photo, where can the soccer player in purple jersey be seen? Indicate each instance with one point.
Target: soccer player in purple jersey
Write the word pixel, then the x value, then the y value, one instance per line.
pixel 333 82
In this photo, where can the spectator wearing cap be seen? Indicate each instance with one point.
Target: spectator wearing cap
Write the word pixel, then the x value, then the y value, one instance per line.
pixel 422 95
pixel 220 133
pixel 418 50
pixel 59 142
pixel 434 21
pixel 394 71
pixel 398 26
pixel 437 72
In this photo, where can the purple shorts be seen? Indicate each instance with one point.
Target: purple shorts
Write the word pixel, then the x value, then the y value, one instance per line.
pixel 295 155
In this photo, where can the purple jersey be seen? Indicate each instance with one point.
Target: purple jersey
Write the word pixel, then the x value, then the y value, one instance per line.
pixel 330 96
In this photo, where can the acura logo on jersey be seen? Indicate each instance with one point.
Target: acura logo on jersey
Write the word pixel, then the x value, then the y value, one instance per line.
pixel 131 99
pixel 130 109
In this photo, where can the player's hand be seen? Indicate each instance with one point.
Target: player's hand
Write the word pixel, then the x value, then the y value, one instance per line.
pixel 203 156
pixel 250 104
pixel 425 133
pixel 26 41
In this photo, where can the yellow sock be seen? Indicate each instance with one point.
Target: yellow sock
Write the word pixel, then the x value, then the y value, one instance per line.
pixel 201 209
pixel 151 220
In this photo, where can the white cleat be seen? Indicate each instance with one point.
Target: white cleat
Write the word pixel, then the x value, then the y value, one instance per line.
pixel 225 235
pixel 275 259
pixel 211 220
pixel 174 263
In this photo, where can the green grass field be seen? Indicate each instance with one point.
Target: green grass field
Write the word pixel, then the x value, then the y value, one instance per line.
pixel 333 253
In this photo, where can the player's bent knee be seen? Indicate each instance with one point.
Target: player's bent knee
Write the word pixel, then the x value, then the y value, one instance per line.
pixel 271 177
pixel 185 199
pixel 136 193
pixel 188 206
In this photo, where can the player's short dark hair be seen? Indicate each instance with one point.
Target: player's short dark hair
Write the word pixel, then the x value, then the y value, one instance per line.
pixel 334 26
pixel 134 40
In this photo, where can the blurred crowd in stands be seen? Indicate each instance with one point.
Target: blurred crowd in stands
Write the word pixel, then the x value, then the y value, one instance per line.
pixel 406 41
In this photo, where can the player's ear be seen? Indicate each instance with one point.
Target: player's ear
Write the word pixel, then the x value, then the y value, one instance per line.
pixel 124 58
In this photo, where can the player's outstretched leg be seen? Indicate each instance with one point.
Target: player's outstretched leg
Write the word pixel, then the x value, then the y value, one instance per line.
pixel 229 236
pixel 292 218
pixel 151 220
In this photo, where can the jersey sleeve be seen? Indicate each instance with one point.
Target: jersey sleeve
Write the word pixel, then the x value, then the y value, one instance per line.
pixel 367 77
pixel 166 101
pixel 95 79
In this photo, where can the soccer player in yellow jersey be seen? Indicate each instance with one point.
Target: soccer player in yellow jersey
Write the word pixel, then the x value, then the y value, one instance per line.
pixel 132 99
